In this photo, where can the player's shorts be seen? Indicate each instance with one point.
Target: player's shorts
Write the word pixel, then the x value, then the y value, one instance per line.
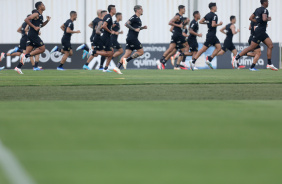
pixel 211 41
pixel 179 46
pixel 107 43
pixel 178 39
pixel 115 43
pixel 66 45
pixel 193 43
pixel 92 40
pixel 228 45
pixel 250 42
pixel 133 44
pixel 23 41
pixel 97 43
pixel 259 36
pixel 34 41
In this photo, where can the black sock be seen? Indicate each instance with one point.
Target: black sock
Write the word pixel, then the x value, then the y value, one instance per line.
pixel 94 52
pixel 86 48
pixel 119 65
pixel 106 68
pixel 162 59
pixel 5 55
pixel 86 64
pixel 129 59
pixel 177 66
pixel 194 60
pixel 61 65
pixel 20 65
pixel 238 64
pixel 238 57
pixel 184 58
pixel 36 64
pixel 103 59
pixel 27 55
pixel 253 66
pixel 269 62
pixel 210 58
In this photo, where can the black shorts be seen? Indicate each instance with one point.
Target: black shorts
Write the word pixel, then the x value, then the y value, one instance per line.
pixel 34 41
pixel 193 43
pixel 107 43
pixel 23 41
pixel 97 43
pixel 133 44
pixel 178 39
pixel 115 43
pixel 260 36
pixel 66 45
pixel 228 45
pixel 250 42
pixel 92 40
pixel 211 41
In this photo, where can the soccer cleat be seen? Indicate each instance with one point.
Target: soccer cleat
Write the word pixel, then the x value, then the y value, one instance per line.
pixel 101 68
pixel 22 58
pixel 37 69
pixel 117 70
pixel 18 70
pixel 209 64
pixel 177 68
pixel 241 67
pixel 124 63
pixel 272 67
pixel 192 65
pixel 163 66
pixel 159 65
pixel 2 56
pixel 234 64
pixel 60 69
pixel 81 47
pixel 195 68
pixel 85 53
pixel 2 68
pixel 14 50
pixel 55 49
pixel 85 67
pixel 107 71
pixel 172 59
pixel 253 69
pixel 183 67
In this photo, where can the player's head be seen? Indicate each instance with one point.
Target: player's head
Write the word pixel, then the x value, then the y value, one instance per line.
pixel 185 21
pixel 73 15
pixel 40 6
pixel 197 15
pixel 181 9
pixel 103 13
pixel 99 12
pixel 119 16
pixel 264 3
pixel 138 9
pixel 233 19
pixel 213 7
pixel 112 9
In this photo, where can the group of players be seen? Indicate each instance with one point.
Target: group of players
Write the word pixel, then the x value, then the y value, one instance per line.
pixel 104 39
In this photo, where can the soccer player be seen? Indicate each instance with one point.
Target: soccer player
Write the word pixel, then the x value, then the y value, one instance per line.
pixel 68 29
pixel 261 17
pixel 114 36
pixel 230 31
pixel 211 20
pixel 193 30
pixel 134 24
pixel 93 25
pixel 177 37
pixel 35 22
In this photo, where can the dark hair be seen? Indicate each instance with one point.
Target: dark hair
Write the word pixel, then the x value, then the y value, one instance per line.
pixel 212 5
pixel 72 12
pixel 28 15
pixel 263 1
pixel 38 4
pixel 110 8
pixel 137 7
pixel 181 7
pixel 195 13
pixel 118 14
pixel 34 11
pixel 232 17
pixel 104 11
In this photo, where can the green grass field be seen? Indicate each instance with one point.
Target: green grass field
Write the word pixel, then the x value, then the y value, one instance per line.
pixel 144 127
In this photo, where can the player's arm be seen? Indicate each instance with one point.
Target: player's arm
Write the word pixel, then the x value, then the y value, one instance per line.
pixel 26 29
pixel 144 27
pixel 250 27
pixel 91 25
pixel 265 18
pixel 222 30
pixel 70 31
pixel 105 27
pixel 173 20
pixel 99 27
pixel 253 18
pixel 233 29
pixel 214 24
pixel 19 30
pixel 46 22
pixel 128 25
pixel 63 27
pixel 203 21
pixel 192 32
pixel 171 28
pixel 184 34
pixel 31 17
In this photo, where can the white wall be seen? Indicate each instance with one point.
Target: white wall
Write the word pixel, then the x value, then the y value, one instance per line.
pixel 157 14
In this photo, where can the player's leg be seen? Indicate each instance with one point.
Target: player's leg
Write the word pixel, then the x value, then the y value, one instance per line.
pixel 252 47
pixel 118 52
pixel 108 59
pixel 63 60
pixel 221 52
pixel 257 55
pixel 126 55
pixel 161 63
pixel 268 42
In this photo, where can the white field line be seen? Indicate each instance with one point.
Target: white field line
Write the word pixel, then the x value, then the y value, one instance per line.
pixel 15 173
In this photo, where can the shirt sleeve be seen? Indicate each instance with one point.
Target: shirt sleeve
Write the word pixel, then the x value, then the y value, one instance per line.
pixel 132 19
pixel 107 19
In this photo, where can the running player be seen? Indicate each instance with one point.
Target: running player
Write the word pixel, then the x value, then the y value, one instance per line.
pixel 211 20
pixel 97 42
pixel 68 29
pixel 177 37
pixel 134 24
pixel 230 31
pixel 35 21
pixel 261 17
pixel 114 36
